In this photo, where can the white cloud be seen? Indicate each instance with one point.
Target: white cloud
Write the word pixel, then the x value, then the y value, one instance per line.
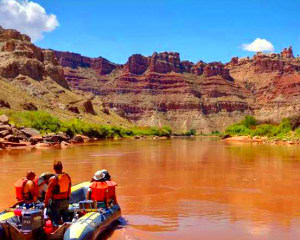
pixel 27 17
pixel 259 45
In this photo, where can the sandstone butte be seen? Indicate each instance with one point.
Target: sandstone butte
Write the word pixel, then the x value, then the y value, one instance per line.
pixel 156 90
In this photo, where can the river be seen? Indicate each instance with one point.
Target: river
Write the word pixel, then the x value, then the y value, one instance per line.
pixel 197 188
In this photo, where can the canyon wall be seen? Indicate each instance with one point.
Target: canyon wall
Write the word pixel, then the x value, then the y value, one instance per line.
pixel 32 78
pixel 163 90
pixel 152 90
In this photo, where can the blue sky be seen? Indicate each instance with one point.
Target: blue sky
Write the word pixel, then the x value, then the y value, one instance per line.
pixel 198 30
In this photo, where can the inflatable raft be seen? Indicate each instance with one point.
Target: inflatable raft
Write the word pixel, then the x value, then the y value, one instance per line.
pixel 87 220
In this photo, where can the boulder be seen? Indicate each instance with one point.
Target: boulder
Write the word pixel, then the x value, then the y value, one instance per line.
pixel 12 138
pixel 36 139
pixel 73 109
pixel 18 133
pixel 88 107
pixel 79 139
pixel 4 104
pixel 30 132
pixel 15 144
pixel 106 111
pixel 42 145
pixel 4 127
pixel 64 144
pixel 57 138
pixel 4 119
pixel 5 133
pixel 29 107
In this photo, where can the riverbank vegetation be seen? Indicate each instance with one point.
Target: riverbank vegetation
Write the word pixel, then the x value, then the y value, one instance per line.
pixel 46 123
pixel 287 129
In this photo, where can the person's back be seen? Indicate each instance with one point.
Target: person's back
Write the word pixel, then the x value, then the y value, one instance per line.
pixel 59 190
pixel 98 190
pixel 61 186
pixel 26 188
pixel 111 193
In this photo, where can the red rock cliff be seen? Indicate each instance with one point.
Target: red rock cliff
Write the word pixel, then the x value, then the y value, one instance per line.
pixel 19 57
pixel 163 90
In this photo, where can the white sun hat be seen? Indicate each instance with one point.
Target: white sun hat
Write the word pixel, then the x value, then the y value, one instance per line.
pixel 104 171
pixel 98 175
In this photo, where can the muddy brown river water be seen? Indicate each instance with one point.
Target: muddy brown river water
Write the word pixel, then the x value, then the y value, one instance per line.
pixel 183 188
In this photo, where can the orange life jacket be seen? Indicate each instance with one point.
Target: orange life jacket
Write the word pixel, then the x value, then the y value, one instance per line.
pixel 20 194
pixel 111 194
pixel 63 186
pixel 98 191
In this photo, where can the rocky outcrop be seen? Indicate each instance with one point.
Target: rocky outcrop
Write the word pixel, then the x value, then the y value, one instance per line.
pixel 32 79
pixel 19 57
pixel 73 109
pixel 137 64
pixel 165 62
pixel 11 137
pixel 287 53
pixel 274 83
pixel 29 107
pixel 4 104
pixel 211 69
pixel 72 60
pixel 88 107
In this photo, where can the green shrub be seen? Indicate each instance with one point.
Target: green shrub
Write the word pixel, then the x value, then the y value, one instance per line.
pixel 191 132
pixel 216 133
pixel 249 122
pixel 46 123
pixel 297 132
pixel 283 128
pixel 39 120
pixel 237 129
pixel 264 130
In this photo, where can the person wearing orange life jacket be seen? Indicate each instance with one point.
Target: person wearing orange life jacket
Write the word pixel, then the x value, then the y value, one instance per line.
pixel 59 191
pixel 26 188
pixel 111 195
pixel 98 190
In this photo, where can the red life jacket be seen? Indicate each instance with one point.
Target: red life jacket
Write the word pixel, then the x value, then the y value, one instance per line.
pixel 19 186
pixel 63 186
pixel 98 191
pixel 20 194
pixel 111 194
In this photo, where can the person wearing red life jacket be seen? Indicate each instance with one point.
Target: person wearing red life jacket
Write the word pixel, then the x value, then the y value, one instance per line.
pixel 98 190
pixel 59 191
pixel 111 195
pixel 26 188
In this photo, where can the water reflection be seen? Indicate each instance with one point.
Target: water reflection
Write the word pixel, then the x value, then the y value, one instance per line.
pixel 183 188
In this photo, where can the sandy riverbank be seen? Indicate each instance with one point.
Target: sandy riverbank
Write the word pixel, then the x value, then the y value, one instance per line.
pixel 260 140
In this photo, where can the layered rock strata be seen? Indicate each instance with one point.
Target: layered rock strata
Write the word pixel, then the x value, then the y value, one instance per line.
pixel 152 90
pixel 163 90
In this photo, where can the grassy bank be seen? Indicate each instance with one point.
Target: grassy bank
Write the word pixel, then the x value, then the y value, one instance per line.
pixel 287 129
pixel 46 123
